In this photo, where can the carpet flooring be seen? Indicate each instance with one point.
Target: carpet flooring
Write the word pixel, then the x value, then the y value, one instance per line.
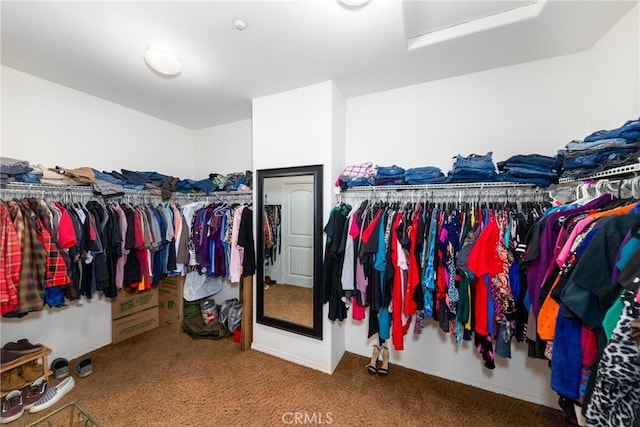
pixel 289 302
pixel 161 378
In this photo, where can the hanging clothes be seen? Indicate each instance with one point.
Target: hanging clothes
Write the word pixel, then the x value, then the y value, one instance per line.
pixel 52 251
pixel 393 262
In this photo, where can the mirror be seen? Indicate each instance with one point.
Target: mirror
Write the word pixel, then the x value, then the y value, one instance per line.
pixel 289 243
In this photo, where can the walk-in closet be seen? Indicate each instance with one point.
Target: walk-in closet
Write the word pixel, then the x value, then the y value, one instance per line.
pixel 348 212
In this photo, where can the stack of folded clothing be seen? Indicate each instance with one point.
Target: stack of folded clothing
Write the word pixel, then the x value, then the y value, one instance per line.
pixel 389 175
pixel 531 169
pixel 236 181
pixel 356 176
pixel 473 168
pixel 602 150
pixel 13 170
pixel 424 175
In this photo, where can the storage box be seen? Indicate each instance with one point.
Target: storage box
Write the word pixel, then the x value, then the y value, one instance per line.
pixel 127 303
pixel 134 324
pixel 170 302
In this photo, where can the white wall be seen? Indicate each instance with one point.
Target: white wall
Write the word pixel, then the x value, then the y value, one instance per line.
pixel 529 108
pixel 43 122
pixel 47 123
pixel 223 149
pixel 614 84
pixel 296 128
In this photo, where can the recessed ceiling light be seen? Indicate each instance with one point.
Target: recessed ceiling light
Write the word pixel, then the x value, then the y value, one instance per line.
pixel 240 24
pixel 163 62
pixel 354 3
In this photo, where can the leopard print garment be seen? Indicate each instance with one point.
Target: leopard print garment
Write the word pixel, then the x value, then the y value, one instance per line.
pixel 616 396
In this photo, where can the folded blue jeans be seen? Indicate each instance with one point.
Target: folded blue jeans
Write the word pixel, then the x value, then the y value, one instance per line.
pixel 359 182
pixel 107 177
pixel 28 178
pixel 608 157
pixel 534 160
pixel 154 176
pixel 528 172
pixel 538 182
pixel 630 130
pixel 472 176
pixel 427 180
pixel 133 177
pixel 474 161
pixel 422 172
pixel 389 171
pixel 600 144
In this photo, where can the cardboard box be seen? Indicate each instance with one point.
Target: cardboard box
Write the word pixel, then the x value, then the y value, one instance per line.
pixel 170 302
pixel 134 324
pixel 126 304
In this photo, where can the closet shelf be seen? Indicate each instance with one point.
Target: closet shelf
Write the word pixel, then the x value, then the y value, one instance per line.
pixel 614 172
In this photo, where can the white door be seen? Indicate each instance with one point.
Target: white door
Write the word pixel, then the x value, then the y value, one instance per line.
pixel 297 233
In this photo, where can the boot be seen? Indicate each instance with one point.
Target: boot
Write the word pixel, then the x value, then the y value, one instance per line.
pixel 12 380
pixel 32 371
pixel 384 369
pixel 372 367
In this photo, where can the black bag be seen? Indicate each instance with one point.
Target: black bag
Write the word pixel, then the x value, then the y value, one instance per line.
pixel 196 328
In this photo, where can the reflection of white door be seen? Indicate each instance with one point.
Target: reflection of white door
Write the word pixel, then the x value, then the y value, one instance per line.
pixel 297 234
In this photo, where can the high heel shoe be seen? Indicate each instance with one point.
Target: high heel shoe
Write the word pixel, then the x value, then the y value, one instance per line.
pixel 372 367
pixel 384 369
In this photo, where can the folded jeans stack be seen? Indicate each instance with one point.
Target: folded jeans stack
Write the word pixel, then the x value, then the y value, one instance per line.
pixel 536 169
pixel 424 175
pixel 389 175
pixel 602 150
pixel 473 168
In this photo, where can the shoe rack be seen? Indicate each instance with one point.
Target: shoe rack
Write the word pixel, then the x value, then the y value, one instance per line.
pixel 42 354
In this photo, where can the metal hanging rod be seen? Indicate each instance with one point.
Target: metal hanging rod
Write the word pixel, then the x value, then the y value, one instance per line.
pixel 472 185
pixel 82 192
pixel 475 192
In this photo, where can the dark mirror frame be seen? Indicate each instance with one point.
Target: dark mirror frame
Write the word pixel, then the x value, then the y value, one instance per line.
pixel 316 171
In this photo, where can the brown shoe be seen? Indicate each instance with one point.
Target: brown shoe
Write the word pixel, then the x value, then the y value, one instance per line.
pixel 23 346
pixel 32 371
pixel 7 357
pixel 12 380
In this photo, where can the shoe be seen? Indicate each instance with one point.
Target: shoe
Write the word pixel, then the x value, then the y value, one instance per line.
pixel 7 357
pixel 12 380
pixel 60 368
pixel 35 392
pixel 12 407
pixel 23 346
pixel 52 395
pixel 384 369
pixel 84 367
pixel 372 367
pixel 32 371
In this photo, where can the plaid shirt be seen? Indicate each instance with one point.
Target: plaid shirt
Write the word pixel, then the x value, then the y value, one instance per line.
pixel 11 257
pixel 56 273
pixel 365 170
pixel 57 267
pixel 34 265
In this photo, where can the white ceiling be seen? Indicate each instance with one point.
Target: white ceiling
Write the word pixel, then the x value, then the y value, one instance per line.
pixel 98 47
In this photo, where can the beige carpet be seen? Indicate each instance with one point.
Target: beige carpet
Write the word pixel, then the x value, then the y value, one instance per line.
pixel 166 379
pixel 289 302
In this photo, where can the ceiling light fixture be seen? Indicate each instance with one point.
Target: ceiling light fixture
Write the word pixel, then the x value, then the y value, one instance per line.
pixel 354 3
pixel 163 62
pixel 240 24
